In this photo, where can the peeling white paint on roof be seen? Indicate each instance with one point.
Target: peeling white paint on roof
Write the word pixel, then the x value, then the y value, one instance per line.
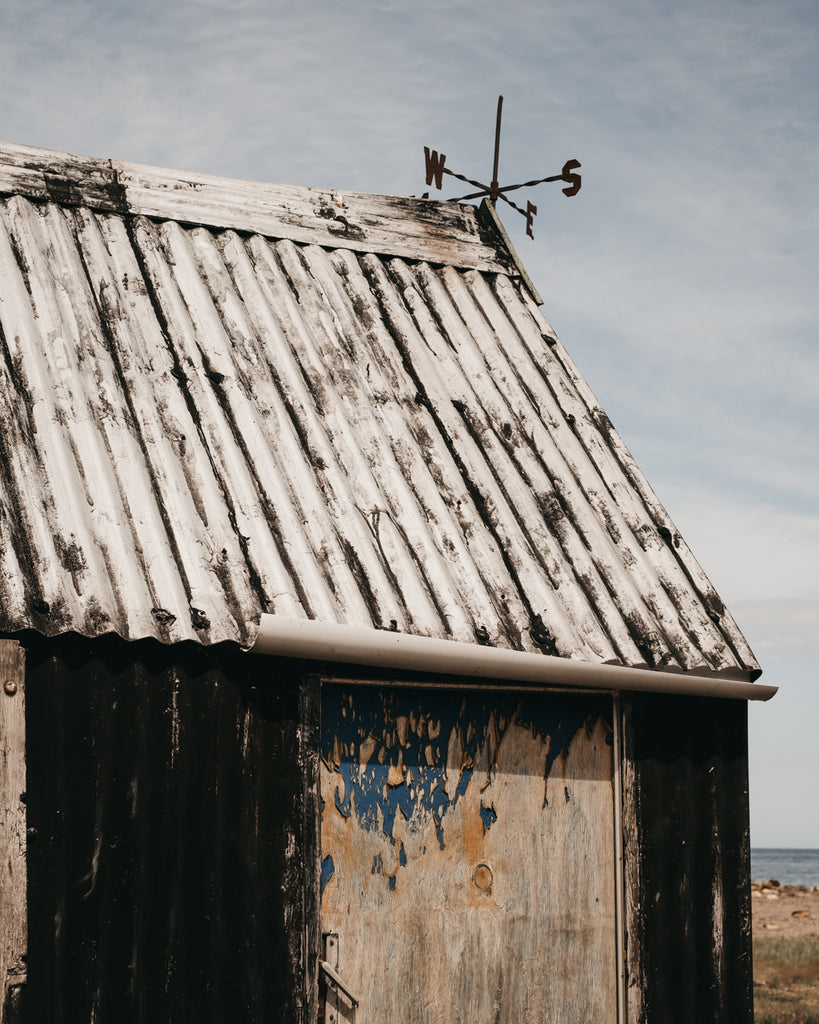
pixel 215 406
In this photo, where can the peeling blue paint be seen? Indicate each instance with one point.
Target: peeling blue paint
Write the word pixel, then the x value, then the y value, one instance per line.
pixel 488 816
pixel 410 777
pixel 375 716
pixel 392 883
pixel 344 808
pixel 561 718
pixel 463 783
pixel 327 870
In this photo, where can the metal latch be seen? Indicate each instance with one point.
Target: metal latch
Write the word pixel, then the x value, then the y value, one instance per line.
pixel 329 967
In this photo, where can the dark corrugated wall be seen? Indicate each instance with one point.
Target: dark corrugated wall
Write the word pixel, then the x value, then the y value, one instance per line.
pixel 690 859
pixel 166 835
pixel 172 843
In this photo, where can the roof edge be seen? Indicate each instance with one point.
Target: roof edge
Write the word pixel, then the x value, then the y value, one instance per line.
pixel 435 232
pixel 488 215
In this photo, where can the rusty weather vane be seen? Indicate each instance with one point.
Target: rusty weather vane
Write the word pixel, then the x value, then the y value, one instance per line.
pixel 436 169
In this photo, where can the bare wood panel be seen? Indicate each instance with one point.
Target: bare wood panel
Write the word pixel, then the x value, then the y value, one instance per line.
pixel 468 856
pixel 447 233
pixel 309 848
pixel 60 177
pixel 632 888
pixel 13 937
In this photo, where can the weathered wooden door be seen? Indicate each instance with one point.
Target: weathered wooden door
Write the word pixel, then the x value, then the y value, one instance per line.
pixel 468 856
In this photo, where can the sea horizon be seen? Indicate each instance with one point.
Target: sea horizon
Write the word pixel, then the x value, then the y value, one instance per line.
pixel 786 865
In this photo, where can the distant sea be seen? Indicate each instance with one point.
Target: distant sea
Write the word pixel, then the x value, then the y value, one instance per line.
pixel 789 867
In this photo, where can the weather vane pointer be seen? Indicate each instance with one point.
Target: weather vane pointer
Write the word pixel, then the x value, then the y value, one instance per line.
pixel 436 169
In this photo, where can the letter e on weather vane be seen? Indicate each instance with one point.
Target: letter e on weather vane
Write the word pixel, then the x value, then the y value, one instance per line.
pixel 531 212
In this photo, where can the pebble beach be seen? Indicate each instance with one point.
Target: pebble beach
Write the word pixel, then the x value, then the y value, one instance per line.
pixel 784 910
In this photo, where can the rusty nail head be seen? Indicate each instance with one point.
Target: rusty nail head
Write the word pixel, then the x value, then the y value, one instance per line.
pixel 10 687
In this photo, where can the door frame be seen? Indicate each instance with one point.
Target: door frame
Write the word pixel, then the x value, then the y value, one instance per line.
pixel 311 703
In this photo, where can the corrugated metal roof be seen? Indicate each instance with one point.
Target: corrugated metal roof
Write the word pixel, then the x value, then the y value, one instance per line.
pixel 202 422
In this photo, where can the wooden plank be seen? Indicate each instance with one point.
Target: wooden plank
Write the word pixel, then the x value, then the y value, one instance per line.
pixel 631 824
pixel 60 177
pixel 308 850
pixel 448 233
pixel 13 930
pixel 468 855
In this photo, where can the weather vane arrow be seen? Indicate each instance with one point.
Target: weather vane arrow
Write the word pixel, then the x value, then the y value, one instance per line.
pixel 436 169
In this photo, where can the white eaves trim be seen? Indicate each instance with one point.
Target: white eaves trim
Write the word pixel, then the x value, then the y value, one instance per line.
pixel 361 645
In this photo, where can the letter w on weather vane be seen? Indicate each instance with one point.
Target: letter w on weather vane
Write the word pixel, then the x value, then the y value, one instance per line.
pixel 436 169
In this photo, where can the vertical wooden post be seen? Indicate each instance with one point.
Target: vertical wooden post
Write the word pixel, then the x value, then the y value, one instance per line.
pixel 13 932
pixel 632 867
pixel 309 753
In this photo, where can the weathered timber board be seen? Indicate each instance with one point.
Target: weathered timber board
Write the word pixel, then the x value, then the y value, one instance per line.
pixel 468 855
pixel 12 829
pixel 447 233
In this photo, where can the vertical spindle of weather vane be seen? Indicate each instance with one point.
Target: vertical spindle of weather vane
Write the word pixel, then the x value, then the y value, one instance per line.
pixel 494 192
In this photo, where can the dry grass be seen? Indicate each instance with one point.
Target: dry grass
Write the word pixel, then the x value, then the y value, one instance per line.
pixel 786 980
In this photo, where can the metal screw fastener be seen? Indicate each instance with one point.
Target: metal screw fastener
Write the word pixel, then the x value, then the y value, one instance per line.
pixel 10 687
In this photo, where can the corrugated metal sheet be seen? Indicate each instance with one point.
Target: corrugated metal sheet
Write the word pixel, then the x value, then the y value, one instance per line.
pixel 168 827
pixel 201 424
pixel 688 860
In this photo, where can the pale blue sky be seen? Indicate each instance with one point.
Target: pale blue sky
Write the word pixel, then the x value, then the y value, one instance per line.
pixel 683 279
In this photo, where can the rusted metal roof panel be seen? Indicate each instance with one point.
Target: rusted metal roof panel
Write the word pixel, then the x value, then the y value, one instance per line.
pixel 201 424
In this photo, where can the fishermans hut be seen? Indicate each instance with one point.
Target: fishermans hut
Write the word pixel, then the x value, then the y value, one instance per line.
pixel 351 671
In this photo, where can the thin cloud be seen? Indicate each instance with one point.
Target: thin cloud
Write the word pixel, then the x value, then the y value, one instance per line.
pixel 682 278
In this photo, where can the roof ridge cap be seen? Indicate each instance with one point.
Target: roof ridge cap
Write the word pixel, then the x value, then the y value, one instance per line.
pixel 432 231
